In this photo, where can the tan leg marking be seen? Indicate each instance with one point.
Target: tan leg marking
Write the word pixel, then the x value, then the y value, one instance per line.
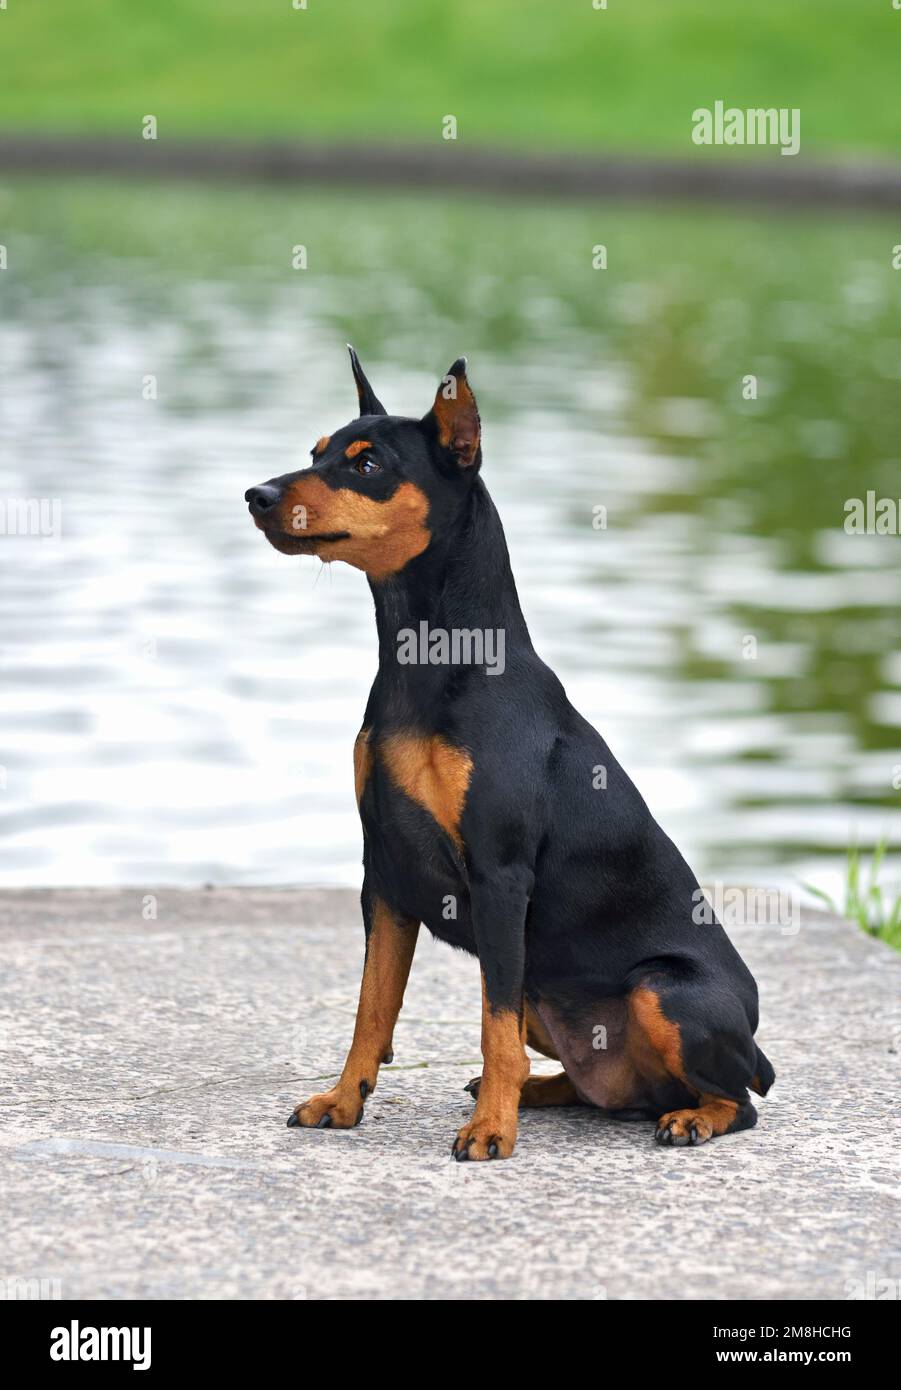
pixel 713 1115
pixel 539 1090
pixel 389 954
pixel 491 1133
pixel 548 1090
pixel 656 1030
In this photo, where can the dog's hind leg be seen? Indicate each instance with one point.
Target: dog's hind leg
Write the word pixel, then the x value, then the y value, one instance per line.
pixel 545 1090
pixel 549 1090
pixel 712 1117
pixel 702 1036
pixel 539 1091
pixel 537 1036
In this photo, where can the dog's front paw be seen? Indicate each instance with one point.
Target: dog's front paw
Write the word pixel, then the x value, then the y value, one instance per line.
pixel 485 1138
pixel 334 1109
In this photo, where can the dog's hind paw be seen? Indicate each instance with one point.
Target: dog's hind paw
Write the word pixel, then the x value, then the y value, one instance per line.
pixel 683 1127
pixel 714 1116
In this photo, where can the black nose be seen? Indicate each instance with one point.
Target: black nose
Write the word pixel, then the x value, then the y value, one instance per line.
pixel 262 499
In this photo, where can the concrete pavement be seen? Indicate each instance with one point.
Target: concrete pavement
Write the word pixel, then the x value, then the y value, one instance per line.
pixel 148 1065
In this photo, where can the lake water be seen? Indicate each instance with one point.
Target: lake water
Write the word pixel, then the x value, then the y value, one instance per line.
pixel 180 702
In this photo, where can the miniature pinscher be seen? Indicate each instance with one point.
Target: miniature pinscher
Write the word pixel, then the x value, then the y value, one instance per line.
pixel 495 814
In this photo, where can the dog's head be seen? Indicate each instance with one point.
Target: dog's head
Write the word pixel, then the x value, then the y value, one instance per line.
pixel 379 488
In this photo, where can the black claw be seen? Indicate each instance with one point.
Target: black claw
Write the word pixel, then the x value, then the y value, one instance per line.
pixel 388 1058
pixel 461 1155
pixel 492 1150
pixel 664 1136
pixel 693 1135
pixel 365 1088
pixel 293 1121
pixel 473 1086
pixel 325 1122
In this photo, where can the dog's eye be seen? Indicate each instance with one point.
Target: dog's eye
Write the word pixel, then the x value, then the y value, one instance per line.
pixel 367 466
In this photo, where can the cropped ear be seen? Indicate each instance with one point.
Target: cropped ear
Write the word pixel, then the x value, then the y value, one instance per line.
pixel 369 401
pixel 455 417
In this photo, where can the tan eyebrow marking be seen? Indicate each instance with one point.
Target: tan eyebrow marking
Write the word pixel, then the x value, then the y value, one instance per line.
pixel 356 448
pixel 321 444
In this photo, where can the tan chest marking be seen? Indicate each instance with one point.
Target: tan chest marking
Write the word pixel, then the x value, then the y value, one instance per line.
pixel 432 772
pixel 362 763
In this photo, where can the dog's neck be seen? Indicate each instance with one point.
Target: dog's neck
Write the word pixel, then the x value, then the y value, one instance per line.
pixel 463 580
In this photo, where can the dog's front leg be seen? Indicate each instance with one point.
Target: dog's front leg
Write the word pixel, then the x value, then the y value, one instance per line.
pixel 390 943
pixel 499 914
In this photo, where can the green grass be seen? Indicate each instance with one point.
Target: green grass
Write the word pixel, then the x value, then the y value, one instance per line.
pixel 866 902
pixel 523 73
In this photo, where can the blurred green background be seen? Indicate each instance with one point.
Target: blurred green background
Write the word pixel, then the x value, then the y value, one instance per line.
pixel 524 73
pixel 224 755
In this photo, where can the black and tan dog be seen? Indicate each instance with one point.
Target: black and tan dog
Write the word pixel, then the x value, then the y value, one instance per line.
pixel 496 815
